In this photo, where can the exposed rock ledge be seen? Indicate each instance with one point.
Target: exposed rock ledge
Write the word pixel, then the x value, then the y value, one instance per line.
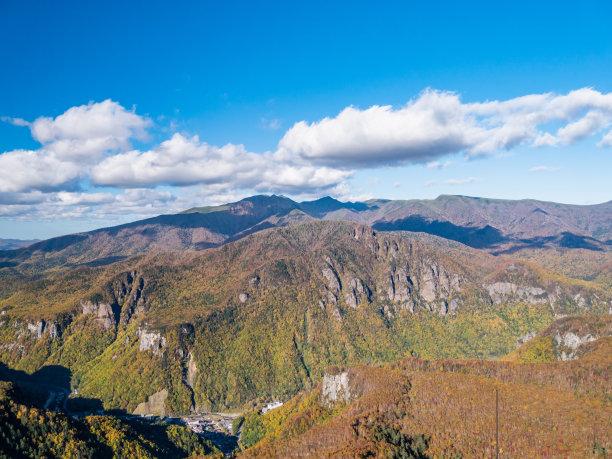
pixel 532 295
pixel 103 312
pixel 335 388
pixel 523 339
pixel 192 371
pixel 152 341
pixel 572 342
pixel 38 328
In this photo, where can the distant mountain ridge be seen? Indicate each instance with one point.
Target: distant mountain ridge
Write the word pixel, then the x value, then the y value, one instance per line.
pixel 498 226
pixel 12 244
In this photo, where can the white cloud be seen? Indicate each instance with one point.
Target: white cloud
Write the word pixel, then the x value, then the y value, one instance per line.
pixel 93 143
pixel 461 181
pixel 438 123
pixel 543 169
pixel 15 121
pixel 606 141
pixel 87 131
pixel 424 129
pixel 430 183
pixel 185 161
pixel 438 165
pixel 74 205
pixel 22 170
pixel 71 143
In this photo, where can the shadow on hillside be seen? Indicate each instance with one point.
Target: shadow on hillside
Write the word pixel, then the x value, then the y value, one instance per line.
pixel 565 240
pixel 54 375
pixel 323 206
pixel 102 261
pixel 35 388
pixel 490 238
pixel 89 405
pixel 7 264
pixel 486 237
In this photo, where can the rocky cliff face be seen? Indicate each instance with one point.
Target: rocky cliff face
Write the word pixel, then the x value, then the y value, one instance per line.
pixel 568 338
pixel 119 301
pixel 335 388
pixel 404 276
pixel 569 343
pixel 103 313
pixel 501 291
pixel 151 341
pixel 409 279
pixel 155 405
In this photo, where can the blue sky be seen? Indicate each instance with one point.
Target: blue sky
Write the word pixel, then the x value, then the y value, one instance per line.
pixel 244 73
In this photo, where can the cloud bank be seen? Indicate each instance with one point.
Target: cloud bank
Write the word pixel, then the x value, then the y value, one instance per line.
pixel 437 124
pixel 93 144
pixel 182 161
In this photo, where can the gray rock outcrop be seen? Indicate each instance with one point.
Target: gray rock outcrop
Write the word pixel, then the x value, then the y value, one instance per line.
pixel 151 341
pixel 571 342
pixel 102 311
pixel 335 389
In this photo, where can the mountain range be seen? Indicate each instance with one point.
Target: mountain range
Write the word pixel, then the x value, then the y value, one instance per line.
pixel 11 244
pixel 230 307
pixel 498 226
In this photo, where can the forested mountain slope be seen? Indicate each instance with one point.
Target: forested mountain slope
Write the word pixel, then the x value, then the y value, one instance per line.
pixel 568 338
pixel 444 408
pixel 262 317
pixel 30 431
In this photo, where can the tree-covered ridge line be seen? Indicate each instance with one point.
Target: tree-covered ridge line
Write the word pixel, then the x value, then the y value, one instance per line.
pixel 498 226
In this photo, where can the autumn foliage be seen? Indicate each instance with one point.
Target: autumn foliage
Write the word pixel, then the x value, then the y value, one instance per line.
pixel 446 408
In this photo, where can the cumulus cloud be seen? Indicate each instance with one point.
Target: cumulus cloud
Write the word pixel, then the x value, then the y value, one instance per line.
pixel 22 170
pixel 426 128
pixel 71 143
pixel 437 123
pixel 183 161
pixel 87 131
pixel 94 143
